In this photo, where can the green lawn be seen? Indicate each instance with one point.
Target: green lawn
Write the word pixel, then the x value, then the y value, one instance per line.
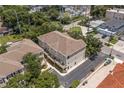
pixel 10 38
pixel 78 29
pixel 75 32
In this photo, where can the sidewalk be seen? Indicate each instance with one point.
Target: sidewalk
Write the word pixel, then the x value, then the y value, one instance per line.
pixel 96 78
pixel 71 69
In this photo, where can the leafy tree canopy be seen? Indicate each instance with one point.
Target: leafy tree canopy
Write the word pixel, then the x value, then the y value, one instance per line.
pixel 32 64
pixel 75 32
pixel 93 45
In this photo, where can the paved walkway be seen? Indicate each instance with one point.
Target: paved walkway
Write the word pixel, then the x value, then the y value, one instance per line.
pixel 99 76
pixel 71 69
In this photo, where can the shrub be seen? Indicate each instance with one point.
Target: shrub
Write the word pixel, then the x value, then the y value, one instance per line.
pixel 75 83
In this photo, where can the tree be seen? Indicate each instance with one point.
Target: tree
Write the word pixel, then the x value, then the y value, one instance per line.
pixel 75 32
pixel 75 83
pixel 53 13
pixel 51 26
pixel 93 45
pixel 13 14
pixel 33 77
pixel 113 39
pixel 16 82
pixel 38 18
pixel 98 11
pixel 32 64
pixel 65 19
pixel 3 49
pixel 47 80
pixel 84 21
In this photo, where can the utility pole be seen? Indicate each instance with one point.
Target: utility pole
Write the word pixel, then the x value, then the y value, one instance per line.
pixel 17 21
pixel 111 48
pixel 61 13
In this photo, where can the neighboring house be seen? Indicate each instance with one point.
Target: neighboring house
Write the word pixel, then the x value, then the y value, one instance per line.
pixel 62 50
pixel 113 14
pixel 11 61
pixel 111 27
pixel 115 79
pixel 36 8
pixel 75 10
pixel 5 31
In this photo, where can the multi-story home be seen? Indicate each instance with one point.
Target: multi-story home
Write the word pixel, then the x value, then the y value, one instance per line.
pixel 113 14
pixel 11 61
pixel 62 50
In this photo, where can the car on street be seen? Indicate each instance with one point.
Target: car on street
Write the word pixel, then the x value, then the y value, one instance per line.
pixel 107 61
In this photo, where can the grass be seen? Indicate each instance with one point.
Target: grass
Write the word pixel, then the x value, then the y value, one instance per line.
pixel 113 40
pixel 77 29
pixel 10 38
pixel 75 32
pixel 75 83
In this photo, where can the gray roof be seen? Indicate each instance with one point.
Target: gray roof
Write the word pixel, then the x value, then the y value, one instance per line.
pixel 113 25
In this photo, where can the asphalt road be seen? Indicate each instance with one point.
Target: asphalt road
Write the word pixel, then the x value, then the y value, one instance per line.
pixel 118 54
pixel 80 72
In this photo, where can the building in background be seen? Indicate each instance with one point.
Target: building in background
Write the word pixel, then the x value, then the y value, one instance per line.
pixel 111 27
pixel 36 8
pixel 113 14
pixel 77 10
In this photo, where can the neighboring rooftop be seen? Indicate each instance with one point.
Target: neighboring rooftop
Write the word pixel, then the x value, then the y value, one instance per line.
pixel 8 67
pixel 62 43
pixel 115 79
pixel 113 25
pixel 96 23
pixel 3 29
pixel 11 60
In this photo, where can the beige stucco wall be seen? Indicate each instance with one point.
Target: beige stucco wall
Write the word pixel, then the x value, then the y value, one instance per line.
pixel 74 60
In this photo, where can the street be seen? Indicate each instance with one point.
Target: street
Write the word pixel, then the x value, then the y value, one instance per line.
pixel 80 72
pixel 98 76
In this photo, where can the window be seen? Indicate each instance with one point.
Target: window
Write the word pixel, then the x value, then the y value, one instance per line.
pixel 68 57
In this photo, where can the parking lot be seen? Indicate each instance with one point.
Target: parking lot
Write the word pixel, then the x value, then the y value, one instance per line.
pixel 80 72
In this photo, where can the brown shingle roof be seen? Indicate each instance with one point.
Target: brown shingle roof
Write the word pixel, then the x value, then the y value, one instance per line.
pixel 7 68
pixel 62 43
pixel 10 61
pixel 114 80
